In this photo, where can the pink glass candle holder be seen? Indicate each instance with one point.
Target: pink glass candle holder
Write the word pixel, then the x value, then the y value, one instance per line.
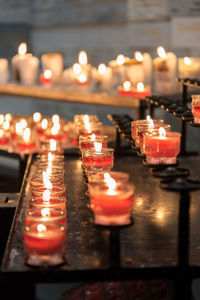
pixel 53 202
pixel 46 214
pixel 56 190
pixel 94 161
pixel 111 207
pixel 135 124
pixel 86 142
pixel 162 149
pixel 100 177
pixel 196 108
pixel 45 243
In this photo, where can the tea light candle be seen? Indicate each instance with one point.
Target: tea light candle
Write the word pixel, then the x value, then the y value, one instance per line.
pixel 162 147
pixel 26 143
pixel 196 108
pixel 54 62
pixel 88 141
pixel 188 67
pixel 101 177
pixel 53 215
pixel 44 243
pixel 46 78
pixel 126 89
pixel 37 117
pixel 141 91
pixel 135 124
pixel 82 80
pixel 55 192
pixel 111 203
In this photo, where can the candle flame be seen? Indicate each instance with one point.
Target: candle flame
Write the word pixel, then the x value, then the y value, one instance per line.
pixel 47 74
pixel 162 132
pixel 46 181
pixel 120 59
pixel 106 176
pixel 1 119
pixel 97 146
pixel 46 195
pixel 45 212
pixel 55 129
pixel 19 128
pixel 148 118
pixel 77 68
pixel 37 117
pixel 138 56
pixel 8 117
pixel 187 61
pixel 93 137
pixel 22 49
pixel 82 78
pixel 85 118
pixel 23 123
pixel 82 58
pixel 52 145
pixel 6 125
pixel 140 87
pixel 55 118
pixel 41 228
pixel 26 135
pixel 127 85
pixel 111 185
pixel 102 69
pixel 49 170
pixel 44 124
pixel 160 214
pixel 50 157
pixel 151 124
pixel 161 52
pixel 1 132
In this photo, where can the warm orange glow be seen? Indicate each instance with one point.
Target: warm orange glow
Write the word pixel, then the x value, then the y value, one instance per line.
pixel 77 68
pixel 82 78
pixel 1 133
pixel 140 87
pixel 162 132
pixel 1 119
pixel 26 135
pixel 102 69
pixel 138 56
pixel 37 117
pixel 41 228
pixel 82 58
pixel 46 195
pixel 52 145
pixel 161 52
pixel 45 212
pixel 127 85
pixel 97 146
pixel 22 49
pixel 120 59
pixel 6 125
pixel 187 61
pixel 55 118
pixel 44 124
pixel 47 74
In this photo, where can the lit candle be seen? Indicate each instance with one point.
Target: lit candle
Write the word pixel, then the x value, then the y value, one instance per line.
pixel 147 65
pixel 44 243
pixel 165 67
pixel 26 143
pixel 126 89
pixel 37 117
pixel 103 76
pixel 46 214
pixel 141 91
pixel 188 67
pixel 117 67
pixel 46 77
pixel 88 141
pixel 54 62
pixel 134 70
pixel 22 49
pixel 111 202
pixel 135 124
pixel 82 80
pixel 162 147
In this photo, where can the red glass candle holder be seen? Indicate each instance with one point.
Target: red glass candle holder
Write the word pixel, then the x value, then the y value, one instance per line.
pixel 58 191
pixel 45 243
pixel 86 142
pixel 99 177
pixel 135 124
pixel 46 214
pixel 196 108
pixel 38 180
pixel 113 207
pixel 162 149
pixel 46 164
pixel 94 161
pixel 53 202
pixel 51 171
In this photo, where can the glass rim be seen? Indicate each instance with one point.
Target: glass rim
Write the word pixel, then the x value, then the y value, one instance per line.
pixel 123 187
pixel 61 227
pixel 93 151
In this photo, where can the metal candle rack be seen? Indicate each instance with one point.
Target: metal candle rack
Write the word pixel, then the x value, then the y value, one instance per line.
pixel 173 179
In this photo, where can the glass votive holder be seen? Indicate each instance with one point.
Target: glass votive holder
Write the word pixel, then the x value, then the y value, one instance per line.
pixel 27 143
pixel 143 129
pixel 196 108
pixel 55 191
pixel 86 142
pixel 100 177
pixel 94 161
pixel 51 146
pixel 46 214
pixel 135 124
pixel 49 135
pixel 45 243
pixel 44 164
pixel 162 149
pixel 50 157
pixel 82 117
pixel 54 202
pixel 95 129
pixel 112 207
pixel 38 180
pixel 50 170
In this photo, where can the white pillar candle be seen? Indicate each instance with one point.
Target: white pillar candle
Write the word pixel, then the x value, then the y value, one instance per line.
pixel 17 58
pixel 188 67
pixel 3 70
pixel 118 70
pixel 165 72
pixel 54 62
pixel 103 76
pixel 134 70
pixel 28 70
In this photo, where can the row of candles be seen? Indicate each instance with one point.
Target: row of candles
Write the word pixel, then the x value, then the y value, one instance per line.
pixel 139 69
